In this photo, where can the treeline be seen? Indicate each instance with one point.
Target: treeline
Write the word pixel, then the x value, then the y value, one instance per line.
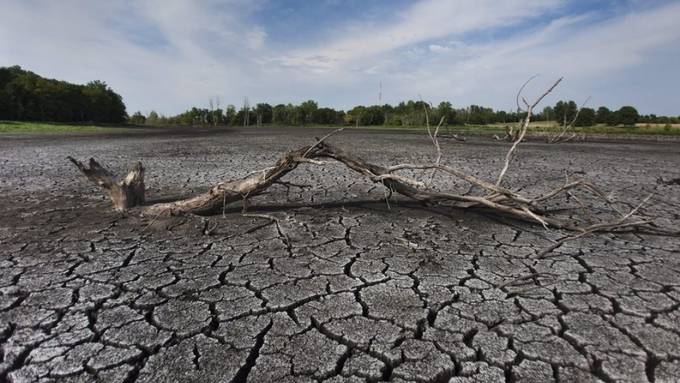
pixel 307 113
pixel 408 113
pixel 567 112
pixel 26 96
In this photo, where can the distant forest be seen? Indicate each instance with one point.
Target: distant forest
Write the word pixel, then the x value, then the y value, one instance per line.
pixel 26 96
pixel 409 113
pixel 406 113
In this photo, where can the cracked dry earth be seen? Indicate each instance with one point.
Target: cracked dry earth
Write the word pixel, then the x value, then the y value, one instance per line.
pixel 341 288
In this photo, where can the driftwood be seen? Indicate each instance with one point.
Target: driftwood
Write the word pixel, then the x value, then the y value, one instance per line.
pixel 129 192
pixel 125 193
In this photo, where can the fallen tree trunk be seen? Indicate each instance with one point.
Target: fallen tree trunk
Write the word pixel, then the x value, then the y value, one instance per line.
pixel 125 197
pixel 128 192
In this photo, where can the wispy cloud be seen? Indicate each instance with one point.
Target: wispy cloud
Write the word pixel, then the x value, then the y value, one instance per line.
pixel 167 56
pixel 586 54
pixel 172 54
pixel 424 21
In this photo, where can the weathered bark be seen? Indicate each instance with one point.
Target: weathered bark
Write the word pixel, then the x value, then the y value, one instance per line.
pixel 224 193
pixel 125 193
pixel 230 191
pixel 129 192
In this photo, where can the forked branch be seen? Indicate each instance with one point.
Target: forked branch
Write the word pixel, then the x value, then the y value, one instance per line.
pixel 496 199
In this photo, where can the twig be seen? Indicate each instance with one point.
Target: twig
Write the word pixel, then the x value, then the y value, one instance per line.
pixel 319 141
pixel 521 89
pixel 605 226
pixel 558 137
pixel 471 179
pixel 153 220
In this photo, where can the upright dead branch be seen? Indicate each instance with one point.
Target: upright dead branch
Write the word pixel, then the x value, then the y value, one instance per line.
pixel 524 125
pixel 434 139
pixel 510 133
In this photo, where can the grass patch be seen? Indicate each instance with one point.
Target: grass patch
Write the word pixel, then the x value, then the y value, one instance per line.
pixel 452 129
pixel 21 127
pixel 653 130
pixel 542 127
pixel 537 127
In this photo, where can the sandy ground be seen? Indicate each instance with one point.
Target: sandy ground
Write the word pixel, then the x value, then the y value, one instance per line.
pixel 342 288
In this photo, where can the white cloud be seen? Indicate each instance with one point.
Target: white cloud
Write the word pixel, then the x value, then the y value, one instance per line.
pixel 426 20
pixel 436 48
pixel 195 53
pixel 172 54
pixel 589 56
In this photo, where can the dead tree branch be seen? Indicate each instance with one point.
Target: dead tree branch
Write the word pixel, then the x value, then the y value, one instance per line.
pixel 499 200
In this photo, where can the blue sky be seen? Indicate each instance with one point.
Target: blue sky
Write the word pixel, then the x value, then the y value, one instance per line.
pixel 168 55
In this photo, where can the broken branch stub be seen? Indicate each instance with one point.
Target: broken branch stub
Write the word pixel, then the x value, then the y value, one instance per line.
pixel 125 193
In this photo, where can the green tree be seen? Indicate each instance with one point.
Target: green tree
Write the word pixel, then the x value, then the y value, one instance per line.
pixel 263 113
pixel 280 114
pixel 480 115
pixel 138 118
pixel 355 115
pixel 445 109
pixel 306 111
pixel 326 116
pixel 26 96
pixel 586 117
pixel 103 105
pixel 230 115
pixel 627 116
pixel 565 111
pixel 604 116
pixel 548 114
pixel 152 119
pixel 373 115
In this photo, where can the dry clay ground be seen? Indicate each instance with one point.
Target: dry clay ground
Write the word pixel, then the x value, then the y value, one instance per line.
pixel 341 288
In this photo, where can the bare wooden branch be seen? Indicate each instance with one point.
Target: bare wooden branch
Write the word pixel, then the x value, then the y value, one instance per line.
pixel 501 201
pixel 604 226
pixel 521 89
pixel 523 129
pixel 128 192
pixel 125 193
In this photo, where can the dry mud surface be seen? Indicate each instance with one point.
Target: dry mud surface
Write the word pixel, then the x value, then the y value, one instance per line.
pixel 341 288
